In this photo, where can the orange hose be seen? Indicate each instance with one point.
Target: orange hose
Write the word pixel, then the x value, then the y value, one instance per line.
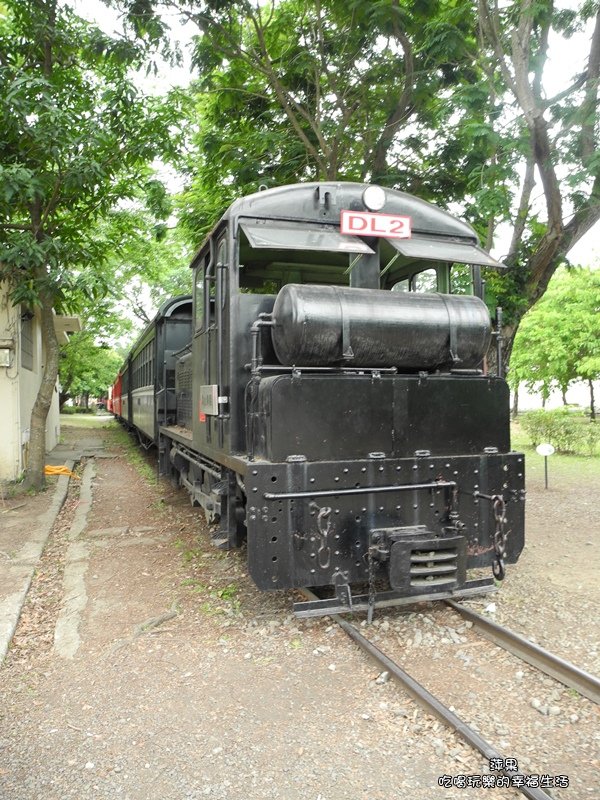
pixel 62 470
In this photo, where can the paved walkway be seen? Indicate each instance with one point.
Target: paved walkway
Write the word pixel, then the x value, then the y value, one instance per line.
pixel 25 524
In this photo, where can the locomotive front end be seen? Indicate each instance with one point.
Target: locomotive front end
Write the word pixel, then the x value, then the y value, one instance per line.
pixel 379 445
pixel 382 456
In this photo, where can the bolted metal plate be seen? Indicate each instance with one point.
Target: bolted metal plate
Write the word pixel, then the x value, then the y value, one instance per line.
pixel 287 549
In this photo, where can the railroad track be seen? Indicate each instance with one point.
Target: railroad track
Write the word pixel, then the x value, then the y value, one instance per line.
pixel 568 674
pixel 557 668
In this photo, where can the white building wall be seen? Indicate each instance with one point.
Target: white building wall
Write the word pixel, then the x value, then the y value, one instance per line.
pixel 18 389
pixel 10 430
pixel 29 381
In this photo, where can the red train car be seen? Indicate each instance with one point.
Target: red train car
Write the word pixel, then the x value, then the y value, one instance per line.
pixel 115 396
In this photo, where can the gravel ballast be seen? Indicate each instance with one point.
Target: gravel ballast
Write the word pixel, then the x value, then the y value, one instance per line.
pixel 187 682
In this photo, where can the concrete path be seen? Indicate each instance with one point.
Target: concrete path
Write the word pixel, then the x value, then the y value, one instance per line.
pixel 66 635
pixel 24 530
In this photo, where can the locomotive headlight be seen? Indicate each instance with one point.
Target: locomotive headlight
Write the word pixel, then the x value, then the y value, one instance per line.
pixel 374 198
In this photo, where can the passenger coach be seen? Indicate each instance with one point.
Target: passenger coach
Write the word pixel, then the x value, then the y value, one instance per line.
pixel 143 394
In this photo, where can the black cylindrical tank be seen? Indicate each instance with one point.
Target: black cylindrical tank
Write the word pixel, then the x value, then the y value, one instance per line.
pixel 333 325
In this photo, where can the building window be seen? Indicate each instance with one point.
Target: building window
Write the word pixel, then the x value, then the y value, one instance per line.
pixel 27 334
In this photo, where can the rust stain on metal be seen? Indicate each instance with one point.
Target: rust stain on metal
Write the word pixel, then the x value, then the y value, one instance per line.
pixel 478 551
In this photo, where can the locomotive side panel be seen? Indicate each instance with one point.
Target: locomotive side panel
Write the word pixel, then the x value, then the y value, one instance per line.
pixel 183 390
pixel 173 333
pixel 245 310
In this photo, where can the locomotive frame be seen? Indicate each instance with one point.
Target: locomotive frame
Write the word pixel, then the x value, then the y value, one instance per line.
pixel 336 471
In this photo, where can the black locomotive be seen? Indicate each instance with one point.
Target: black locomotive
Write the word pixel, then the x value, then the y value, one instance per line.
pixel 331 406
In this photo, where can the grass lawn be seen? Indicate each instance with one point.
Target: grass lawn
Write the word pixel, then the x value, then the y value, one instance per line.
pixel 86 420
pixel 561 467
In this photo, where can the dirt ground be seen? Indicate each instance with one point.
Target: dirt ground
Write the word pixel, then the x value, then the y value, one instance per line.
pixel 146 664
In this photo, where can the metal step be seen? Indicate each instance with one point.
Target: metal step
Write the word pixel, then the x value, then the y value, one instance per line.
pixel 358 603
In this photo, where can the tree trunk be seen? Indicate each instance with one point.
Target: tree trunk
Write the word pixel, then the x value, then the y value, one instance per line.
pixel 564 396
pixel 592 401
pixel 515 408
pixel 39 414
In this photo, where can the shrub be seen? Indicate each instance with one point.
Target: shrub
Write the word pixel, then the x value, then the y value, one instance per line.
pixel 569 431
pixel 77 410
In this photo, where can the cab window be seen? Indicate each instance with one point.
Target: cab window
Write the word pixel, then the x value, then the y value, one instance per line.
pixel 424 281
pixel 461 279
pixel 199 294
pixel 222 253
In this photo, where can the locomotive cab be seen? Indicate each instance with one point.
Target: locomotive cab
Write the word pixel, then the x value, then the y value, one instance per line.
pixel 339 415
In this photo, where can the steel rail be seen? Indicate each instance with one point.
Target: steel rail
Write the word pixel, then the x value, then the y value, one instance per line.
pixel 563 671
pixel 429 702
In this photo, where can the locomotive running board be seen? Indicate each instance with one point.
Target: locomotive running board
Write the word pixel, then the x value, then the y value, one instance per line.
pixel 360 602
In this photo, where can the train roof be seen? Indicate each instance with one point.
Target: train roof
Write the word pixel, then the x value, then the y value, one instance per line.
pixel 169 307
pixel 165 311
pixel 321 203
pixel 308 202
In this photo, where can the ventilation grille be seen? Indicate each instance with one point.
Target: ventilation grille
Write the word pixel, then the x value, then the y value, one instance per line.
pixel 183 383
pixel 421 563
pixel 432 568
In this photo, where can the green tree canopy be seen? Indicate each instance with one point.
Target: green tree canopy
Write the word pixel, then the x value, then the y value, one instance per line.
pixel 343 91
pixel 557 136
pixel 559 338
pixel 86 368
pixel 148 262
pixel 334 90
pixel 449 100
pixel 77 138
